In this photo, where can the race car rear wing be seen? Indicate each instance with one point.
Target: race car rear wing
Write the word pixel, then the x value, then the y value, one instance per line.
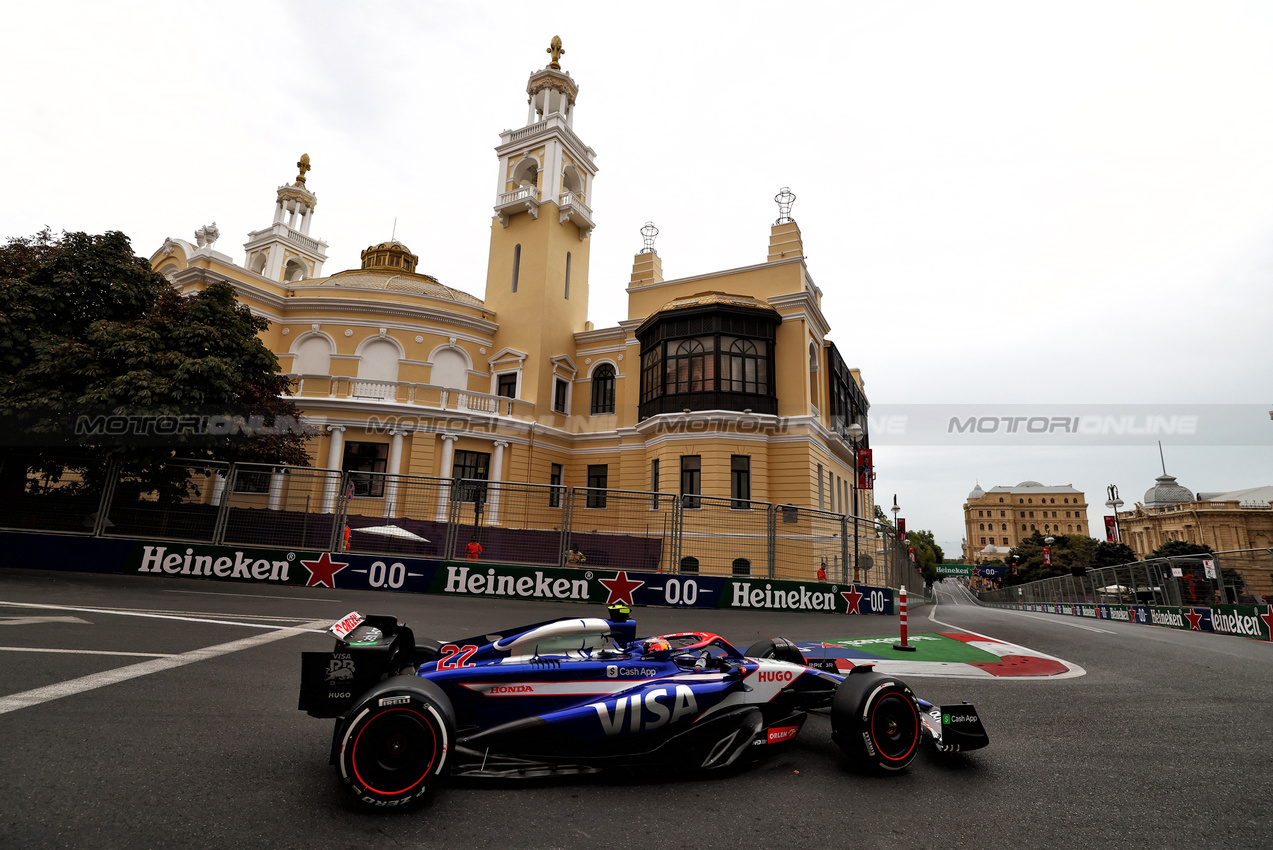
pixel 368 648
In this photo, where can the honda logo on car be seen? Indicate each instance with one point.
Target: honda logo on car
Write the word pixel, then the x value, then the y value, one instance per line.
pixel 499 690
pixel 664 706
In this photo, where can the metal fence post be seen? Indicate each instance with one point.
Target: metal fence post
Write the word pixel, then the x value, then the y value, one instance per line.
pixel 771 526
pixel 108 493
pixel 844 549
pixel 567 523
pixel 223 509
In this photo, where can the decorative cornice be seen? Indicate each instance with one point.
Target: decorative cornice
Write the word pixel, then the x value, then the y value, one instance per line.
pixel 710 275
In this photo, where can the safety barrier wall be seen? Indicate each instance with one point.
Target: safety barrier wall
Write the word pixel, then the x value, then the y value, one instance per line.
pixel 268 506
pixel 1250 621
pixel 1240 577
pixel 472 578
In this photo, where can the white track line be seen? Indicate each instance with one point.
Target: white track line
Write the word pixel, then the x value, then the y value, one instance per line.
pixel 257 596
pixel 85 651
pixel 120 613
pixel 26 699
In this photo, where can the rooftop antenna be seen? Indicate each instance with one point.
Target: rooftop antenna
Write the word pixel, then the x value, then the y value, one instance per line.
pixel 647 236
pixel 1161 458
pixel 394 234
pixel 784 199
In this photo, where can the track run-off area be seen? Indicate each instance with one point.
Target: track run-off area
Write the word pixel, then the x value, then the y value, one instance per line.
pixel 146 712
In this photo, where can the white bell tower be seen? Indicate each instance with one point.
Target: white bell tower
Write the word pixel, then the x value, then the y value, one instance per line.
pixel 284 252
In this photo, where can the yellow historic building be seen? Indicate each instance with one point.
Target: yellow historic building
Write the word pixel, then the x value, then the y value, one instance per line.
pixel 1232 521
pixel 722 384
pixel 998 519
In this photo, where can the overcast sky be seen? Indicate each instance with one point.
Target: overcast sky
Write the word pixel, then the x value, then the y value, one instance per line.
pixel 1042 203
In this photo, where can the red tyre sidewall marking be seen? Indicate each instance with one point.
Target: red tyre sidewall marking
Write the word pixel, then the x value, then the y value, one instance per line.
pixel 871 726
pixel 353 755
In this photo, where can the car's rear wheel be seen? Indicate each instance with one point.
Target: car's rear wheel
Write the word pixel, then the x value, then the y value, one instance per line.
pixel 875 721
pixel 395 748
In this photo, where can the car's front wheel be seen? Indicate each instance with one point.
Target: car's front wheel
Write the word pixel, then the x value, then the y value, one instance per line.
pixel 875 721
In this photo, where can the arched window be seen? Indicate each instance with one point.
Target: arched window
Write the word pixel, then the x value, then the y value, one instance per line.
pixel 689 564
pixel 691 368
pixel 313 356
pixel 742 567
pixel 745 366
pixel 603 389
pixel 450 369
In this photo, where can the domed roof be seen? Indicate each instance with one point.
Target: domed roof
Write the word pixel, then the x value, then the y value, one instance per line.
pixel 1166 492
pixel 977 492
pixel 1029 484
pixel 395 281
pixel 706 299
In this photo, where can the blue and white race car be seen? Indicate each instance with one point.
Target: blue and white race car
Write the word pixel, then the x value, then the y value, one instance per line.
pixel 582 695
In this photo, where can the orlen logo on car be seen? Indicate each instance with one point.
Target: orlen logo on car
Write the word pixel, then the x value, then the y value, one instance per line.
pixel 778 734
pixel 774 676
pixel 511 689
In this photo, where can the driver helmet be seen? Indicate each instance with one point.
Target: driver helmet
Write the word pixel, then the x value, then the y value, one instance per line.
pixel 656 645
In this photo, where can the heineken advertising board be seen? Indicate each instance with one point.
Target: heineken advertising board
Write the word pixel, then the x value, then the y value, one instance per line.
pixel 1249 621
pixel 349 571
pixel 954 569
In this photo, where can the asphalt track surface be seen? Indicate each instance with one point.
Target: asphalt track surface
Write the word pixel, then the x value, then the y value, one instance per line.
pixel 140 712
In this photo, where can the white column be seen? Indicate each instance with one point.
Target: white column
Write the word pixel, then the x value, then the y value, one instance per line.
pixel 296 214
pixel 570 114
pixel 308 217
pixel 278 211
pixel 530 111
pixel 335 453
pixel 218 488
pixel 395 462
pixel 497 475
pixel 448 457
pixel 276 490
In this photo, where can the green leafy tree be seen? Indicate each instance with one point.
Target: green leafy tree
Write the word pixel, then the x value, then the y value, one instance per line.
pixel 1109 554
pixel 927 553
pixel 1067 551
pixel 87 327
pixel 1176 548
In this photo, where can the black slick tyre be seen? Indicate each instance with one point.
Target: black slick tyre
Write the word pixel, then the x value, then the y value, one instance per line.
pixel 780 649
pixel 395 748
pixel 875 721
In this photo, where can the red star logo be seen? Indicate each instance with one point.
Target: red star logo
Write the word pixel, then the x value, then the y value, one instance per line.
pixel 621 588
pixel 1195 618
pixel 323 571
pixel 1268 621
pixel 851 599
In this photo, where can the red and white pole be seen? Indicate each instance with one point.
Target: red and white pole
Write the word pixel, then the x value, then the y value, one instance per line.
pixel 903 646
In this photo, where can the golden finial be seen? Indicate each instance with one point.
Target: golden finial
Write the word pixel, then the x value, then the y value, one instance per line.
pixel 556 50
pixel 304 166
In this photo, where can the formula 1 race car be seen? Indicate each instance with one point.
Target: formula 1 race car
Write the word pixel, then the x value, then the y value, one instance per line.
pixel 582 695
